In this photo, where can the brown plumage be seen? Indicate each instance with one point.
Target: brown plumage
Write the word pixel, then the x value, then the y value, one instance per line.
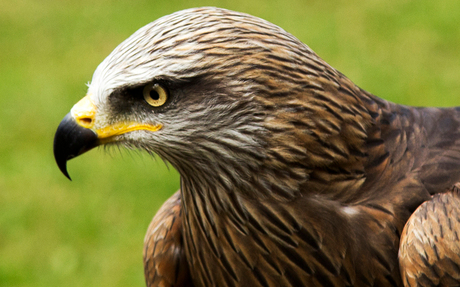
pixel 164 258
pixel 291 175
pixel 429 253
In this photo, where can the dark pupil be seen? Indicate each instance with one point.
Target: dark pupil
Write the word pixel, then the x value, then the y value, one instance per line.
pixel 154 95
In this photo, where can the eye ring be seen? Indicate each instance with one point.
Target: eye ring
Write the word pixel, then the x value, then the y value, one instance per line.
pixel 155 95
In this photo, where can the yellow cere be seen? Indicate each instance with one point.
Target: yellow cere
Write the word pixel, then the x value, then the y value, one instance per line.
pixel 84 112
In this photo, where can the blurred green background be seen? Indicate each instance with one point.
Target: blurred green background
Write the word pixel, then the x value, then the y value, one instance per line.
pixel 89 232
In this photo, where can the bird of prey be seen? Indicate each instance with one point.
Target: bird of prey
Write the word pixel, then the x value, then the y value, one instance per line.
pixel 291 175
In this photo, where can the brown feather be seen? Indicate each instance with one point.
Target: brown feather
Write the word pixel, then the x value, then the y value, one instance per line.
pixel 164 258
pixel 429 253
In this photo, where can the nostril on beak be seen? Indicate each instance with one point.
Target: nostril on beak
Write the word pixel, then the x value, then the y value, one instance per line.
pixel 84 112
pixel 86 122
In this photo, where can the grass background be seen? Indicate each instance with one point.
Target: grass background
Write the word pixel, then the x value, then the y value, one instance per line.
pixel 89 232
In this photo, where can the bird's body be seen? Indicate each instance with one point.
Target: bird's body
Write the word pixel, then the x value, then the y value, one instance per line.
pixel 291 175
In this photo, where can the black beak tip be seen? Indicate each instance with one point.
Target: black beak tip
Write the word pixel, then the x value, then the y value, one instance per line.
pixel 63 168
pixel 70 141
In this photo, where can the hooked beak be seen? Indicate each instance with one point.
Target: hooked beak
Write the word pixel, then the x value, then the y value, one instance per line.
pixel 71 140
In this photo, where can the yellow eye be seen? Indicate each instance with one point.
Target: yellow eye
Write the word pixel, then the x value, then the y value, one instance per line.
pixel 155 95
